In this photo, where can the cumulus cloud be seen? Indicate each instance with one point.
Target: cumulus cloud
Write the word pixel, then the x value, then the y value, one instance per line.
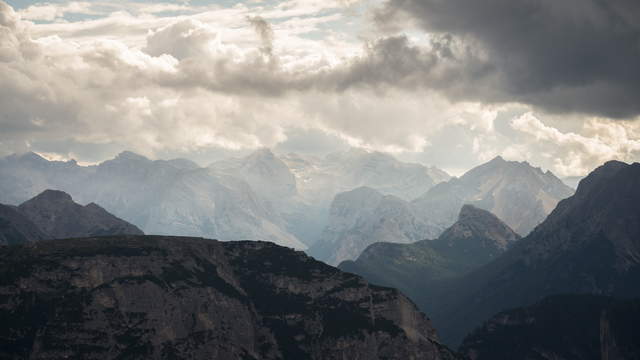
pixel 562 56
pixel 214 80
pixel 576 154
pixel 50 12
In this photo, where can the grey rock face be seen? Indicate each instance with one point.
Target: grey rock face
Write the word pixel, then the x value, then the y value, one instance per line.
pixel 16 228
pixel 186 298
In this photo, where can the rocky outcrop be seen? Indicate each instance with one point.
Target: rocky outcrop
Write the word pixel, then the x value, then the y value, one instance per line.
pixel 57 215
pixel 187 298
pixel 560 327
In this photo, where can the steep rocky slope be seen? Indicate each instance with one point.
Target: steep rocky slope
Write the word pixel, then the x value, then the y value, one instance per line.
pixel 187 298
pixel 57 215
pixel 519 194
pixel 571 327
pixel 474 240
pixel 589 244
pixel 15 228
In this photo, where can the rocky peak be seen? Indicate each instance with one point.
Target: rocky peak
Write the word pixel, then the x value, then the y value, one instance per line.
pixel 32 156
pixel 57 215
pixel 268 175
pixel 469 212
pixel 262 154
pixel 130 156
pixel 49 198
pixel 599 177
pixel 477 232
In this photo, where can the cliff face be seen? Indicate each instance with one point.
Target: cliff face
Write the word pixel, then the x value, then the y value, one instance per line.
pixel 178 298
pixel 560 327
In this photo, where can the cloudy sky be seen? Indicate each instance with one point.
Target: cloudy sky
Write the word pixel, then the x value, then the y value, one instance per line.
pixel 448 83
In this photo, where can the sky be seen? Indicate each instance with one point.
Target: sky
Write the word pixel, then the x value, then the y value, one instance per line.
pixel 446 83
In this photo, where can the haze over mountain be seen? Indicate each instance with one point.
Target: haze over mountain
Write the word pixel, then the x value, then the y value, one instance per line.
pixel 520 193
pixel 158 297
pixel 54 215
pixel 363 216
pixel 589 244
pixel 474 240
pixel 256 197
pixel 321 178
pixel 319 126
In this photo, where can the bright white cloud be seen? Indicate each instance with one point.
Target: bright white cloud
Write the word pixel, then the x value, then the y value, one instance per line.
pixel 576 154
pixel 251 75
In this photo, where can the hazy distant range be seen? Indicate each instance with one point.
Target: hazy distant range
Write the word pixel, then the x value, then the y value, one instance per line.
pixel 333 206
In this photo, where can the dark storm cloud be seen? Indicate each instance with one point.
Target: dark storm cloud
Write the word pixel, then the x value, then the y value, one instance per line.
pixel 564 56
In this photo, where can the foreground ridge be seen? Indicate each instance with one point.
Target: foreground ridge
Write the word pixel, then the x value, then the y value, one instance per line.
pixel 173 297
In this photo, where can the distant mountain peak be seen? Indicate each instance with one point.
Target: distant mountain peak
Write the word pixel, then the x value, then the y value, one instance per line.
pixel 469 211
pixel 130 155
pixel 364 190
pixel 31 156
pixel 52 196
pixel 262 153
pixel 57 215
pixel 479 224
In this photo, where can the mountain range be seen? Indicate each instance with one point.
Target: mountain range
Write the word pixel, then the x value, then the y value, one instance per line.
pixel 363 216
pixel 151 297
pixel 54 215
pixel 588 244
pixel 519 194
pixel 280 199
